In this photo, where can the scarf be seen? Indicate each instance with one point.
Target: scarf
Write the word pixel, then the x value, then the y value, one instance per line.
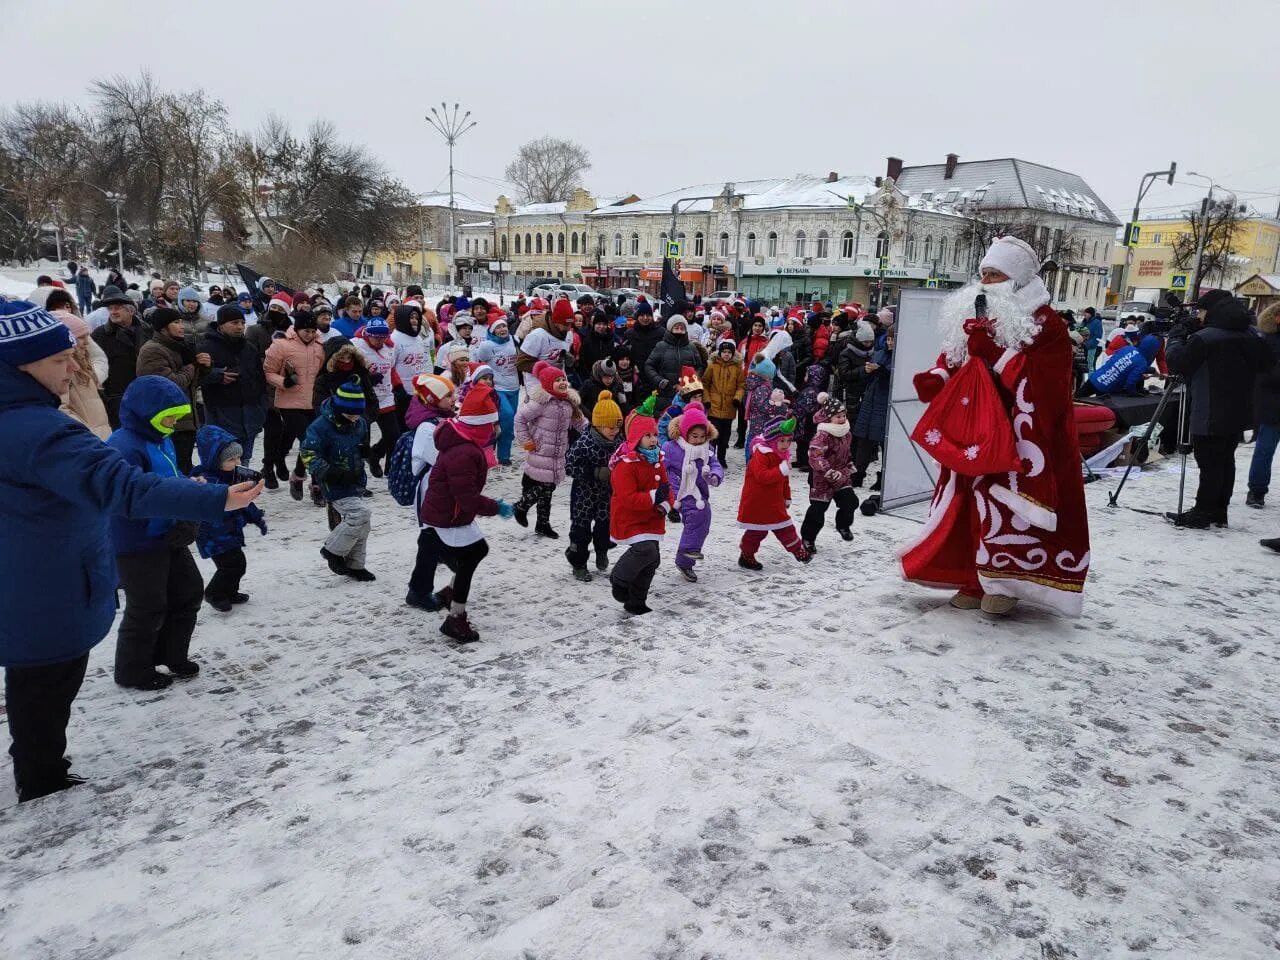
pixel 649 453
pixel 693 469
pixel 835 429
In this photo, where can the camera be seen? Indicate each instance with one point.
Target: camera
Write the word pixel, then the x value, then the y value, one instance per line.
pixel 245 475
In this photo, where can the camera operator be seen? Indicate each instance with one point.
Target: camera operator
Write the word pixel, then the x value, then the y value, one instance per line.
pixel 1219 358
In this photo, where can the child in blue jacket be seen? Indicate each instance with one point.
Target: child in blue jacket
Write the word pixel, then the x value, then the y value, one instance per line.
pixel 331 452
pixel 223 540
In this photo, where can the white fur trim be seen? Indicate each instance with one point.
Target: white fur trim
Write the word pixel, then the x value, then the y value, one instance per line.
pixel 937 510
pixel 1004 361
pixel 942 372
pixel 1068 603
pixel 638 538
pixel 1034 514
pixel 781 524
pixel 1013 257
pixel 477 419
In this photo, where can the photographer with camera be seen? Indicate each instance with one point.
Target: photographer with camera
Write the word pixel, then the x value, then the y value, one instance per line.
pixel 1219 357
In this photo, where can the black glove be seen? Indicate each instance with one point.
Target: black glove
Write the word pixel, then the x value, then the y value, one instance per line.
pixel 181 534
pixel 375 378
pixel 673 514
pixel 737 403
pixel 290 378
pixel 602 474
pixel 662 492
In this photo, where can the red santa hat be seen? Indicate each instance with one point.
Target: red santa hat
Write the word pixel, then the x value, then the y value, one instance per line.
pixel 282 300
pixel 477 370
pixel 1012 257
pixel 480 406
pixel 537 305
pixel 562 311
pixel 547 375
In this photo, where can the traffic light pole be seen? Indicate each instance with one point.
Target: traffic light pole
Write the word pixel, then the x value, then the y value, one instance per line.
pixel 1130 240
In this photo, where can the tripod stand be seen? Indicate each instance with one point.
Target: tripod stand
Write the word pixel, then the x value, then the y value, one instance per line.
pixel 1171 385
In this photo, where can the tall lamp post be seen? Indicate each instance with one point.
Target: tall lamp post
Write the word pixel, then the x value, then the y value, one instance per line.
pixel 450 126
pixel 1147 180
pixel 1206 211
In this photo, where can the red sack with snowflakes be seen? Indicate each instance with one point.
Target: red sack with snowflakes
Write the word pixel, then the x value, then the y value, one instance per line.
pixel 966 427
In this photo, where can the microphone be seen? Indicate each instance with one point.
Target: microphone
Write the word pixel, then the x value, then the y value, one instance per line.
pixel 980 305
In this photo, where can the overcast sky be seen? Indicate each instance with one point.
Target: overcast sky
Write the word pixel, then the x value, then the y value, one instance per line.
pixel 665 93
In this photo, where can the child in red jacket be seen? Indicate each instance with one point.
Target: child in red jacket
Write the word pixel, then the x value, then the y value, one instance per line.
pixel 638 511
pixel 766 495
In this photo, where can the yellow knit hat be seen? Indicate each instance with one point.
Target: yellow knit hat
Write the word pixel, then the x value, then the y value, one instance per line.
pixel 606 413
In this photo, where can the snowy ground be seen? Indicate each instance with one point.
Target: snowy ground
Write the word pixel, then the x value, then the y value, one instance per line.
pixel 809 762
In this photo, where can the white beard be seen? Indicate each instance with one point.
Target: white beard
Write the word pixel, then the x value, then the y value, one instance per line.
pixel 1010 308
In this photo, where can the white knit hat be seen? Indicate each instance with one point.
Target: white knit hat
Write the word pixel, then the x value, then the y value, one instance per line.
pixel 865 332
pixel 1012 257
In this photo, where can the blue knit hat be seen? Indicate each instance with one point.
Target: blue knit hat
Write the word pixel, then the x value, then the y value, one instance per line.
pixel 377 327
pixel 462 303
pixel 644 306
pixel 349 398
pixel 188 293
pixel 765 368
pixel 29 333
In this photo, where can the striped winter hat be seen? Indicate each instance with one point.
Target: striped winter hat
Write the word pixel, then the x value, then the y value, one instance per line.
pixel 29 333
pixel 349 398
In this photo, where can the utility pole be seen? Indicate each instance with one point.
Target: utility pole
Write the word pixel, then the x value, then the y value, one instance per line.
pixel 1147 180
pixel 1206 211
pixel 451 127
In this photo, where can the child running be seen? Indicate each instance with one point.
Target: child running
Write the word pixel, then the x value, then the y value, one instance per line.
pixel 223 540
pixel 830 469
pixel 331 452
pixel 542 427
pixel 590 495
pixel 766 495
pixel 692 470
pixel 641 505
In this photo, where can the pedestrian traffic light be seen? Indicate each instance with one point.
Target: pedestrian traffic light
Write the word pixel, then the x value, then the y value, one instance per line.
pixel 884 263
pixel 1131 232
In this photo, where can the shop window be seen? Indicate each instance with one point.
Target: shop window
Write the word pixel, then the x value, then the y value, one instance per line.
pixel 801 245
pixel 699 244
pixel 772 250
pixel 751 244
pixel 846 245
pixel 724 245
pixel 635 244
pixel 824 241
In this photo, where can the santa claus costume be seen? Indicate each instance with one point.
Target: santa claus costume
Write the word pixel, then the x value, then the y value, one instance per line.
pixel 1008 520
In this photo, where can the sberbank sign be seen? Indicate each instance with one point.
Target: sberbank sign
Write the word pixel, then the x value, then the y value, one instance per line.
pixel 793 271
pixel 887 273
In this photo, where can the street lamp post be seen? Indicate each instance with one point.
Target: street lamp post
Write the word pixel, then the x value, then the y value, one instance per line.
pixel 1206 210
pixel 450 126
pixel 1147 180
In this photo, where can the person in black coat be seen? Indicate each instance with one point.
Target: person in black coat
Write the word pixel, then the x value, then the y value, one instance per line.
pixel 1220 363
pixel 873 415
pixel 597 342
pixel 234 388
pixel 643 336
pixel 668 358
pixel 120 338
pixel 1267 410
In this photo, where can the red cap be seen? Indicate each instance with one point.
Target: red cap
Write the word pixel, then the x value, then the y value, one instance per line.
pixel 562 312
pixel 538 305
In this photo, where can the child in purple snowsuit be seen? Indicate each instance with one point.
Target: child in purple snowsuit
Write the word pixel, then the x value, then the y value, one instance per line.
pixel 692 470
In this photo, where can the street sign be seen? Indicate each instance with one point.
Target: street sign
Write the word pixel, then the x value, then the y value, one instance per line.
pixel 931 283
pixel 1131 233
pixel 673 249
pixel 884 263
pixel 1178 281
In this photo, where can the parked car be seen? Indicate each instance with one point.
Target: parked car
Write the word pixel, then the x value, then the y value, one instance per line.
pixel 724 296
pixel 575 290
pixel 1130 311
pixel 532 288
pixel 630 293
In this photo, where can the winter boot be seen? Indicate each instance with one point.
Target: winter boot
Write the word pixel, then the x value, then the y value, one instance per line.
pixel 803 555
pixel 579 573
pixel 269 480
pixel 221 604
pixel 184 670
pixel 809 547
pixel 412 599
pixel 521 513
pixel 636 609
pixel 443 597
pixel 154 681
pixel 295 487
pixel 336 563
pixel 375 466
pixel 240 598
pixel 457 627
pixel 965 601
pixel 544 530
pixel 282 470
pixel 749 563
pixel 360 575
pixel 316 496
pixel 688 574
pixel 694 554
pixel 1272 543
pixel 998 606
pixel 1255 500
pixel 845 534
pixel 602 561
pixel 47 787
pixel 621 595
pixel 1191 519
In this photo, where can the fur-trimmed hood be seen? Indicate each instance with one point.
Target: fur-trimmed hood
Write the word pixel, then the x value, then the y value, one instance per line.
pixel 1269 319
pixel 673 430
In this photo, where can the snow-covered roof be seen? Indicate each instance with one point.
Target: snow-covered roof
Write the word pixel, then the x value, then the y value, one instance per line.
pixel 774 194
pixel 1004 184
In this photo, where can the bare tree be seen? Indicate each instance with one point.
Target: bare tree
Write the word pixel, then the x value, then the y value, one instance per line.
pixel 1220 226
pixel 44 149
pixel 548 169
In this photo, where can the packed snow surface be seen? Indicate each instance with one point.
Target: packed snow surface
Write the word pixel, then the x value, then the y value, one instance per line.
pixel 813 761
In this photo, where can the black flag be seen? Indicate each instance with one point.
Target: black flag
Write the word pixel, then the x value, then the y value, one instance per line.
pixel 251 277
pixel 672 290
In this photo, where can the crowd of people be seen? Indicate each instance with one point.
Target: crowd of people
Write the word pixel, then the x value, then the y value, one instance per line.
pixel 137 393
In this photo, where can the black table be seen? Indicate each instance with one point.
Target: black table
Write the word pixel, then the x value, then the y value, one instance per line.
pixel 1135 411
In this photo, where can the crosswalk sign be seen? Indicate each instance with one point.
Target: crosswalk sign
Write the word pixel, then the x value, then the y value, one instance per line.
pixel 931 283
pixel 1178 281
pixel 673 249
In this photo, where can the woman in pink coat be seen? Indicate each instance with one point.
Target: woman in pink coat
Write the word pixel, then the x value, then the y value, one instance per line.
pixel 542 429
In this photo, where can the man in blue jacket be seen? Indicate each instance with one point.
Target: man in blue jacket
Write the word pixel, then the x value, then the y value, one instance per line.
pixel 1124 370
pixel 59 485
pixel 1092 337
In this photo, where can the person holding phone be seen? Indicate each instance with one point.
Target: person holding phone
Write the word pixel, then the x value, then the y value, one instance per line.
pixel 233 387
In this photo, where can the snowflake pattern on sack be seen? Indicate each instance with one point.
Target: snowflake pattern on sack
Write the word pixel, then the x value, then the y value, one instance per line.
pixel 933 437
pixel 964 401
pixel 971 453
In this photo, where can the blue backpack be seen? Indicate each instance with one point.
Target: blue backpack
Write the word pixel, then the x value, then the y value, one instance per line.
pixel 402 482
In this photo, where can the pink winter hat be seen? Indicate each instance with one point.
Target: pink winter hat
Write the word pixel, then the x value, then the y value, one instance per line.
pixel 547 375
pixel 693 416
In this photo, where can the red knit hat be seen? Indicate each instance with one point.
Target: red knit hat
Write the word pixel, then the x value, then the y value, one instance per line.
pixel 547 375
pixel 562 311
pixel 480 405
pixel 637 428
